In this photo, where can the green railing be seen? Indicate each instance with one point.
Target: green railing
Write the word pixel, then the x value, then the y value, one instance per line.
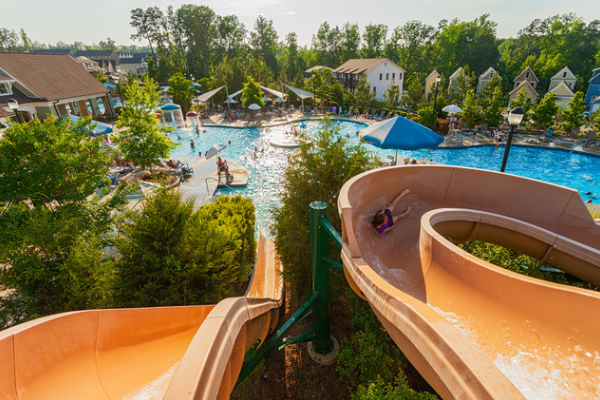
pixel 322 346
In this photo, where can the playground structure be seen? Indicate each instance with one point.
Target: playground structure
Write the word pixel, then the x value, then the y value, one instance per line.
pixel 472 329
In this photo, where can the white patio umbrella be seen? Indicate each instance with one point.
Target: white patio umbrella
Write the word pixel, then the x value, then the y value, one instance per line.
pixel 452 109
pixel 254 106
pixel 230 101
pixel 266 99
pixel 278 100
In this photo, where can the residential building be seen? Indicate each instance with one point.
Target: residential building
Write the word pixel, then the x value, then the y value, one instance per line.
pixel 529 91
pixel 69 52
pixel 486 78
pixel 311 71
pixel 107 59
pixel 134 65
pixel 526 75
pixel 595 104
pixel 594 87
pixel 453 80
pixel 89 65
pixel 49 84
pixel 564 75
pixel 381 73
pixel 429 82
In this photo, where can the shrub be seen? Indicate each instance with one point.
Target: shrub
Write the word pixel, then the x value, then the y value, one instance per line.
pixel 173 255
pixel 379 390
pixel 314 172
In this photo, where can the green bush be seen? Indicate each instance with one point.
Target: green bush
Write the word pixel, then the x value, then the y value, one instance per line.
pixel 520 263
pixel 173 255
pixel 315 172
pixel 380 390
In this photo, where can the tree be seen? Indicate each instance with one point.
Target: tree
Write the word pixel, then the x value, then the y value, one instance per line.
pixel 391 97
pixel 251 93
pixel 316 171
pixel 374 40
pixel 595 119
pixel 264 41
pixel 572 116
pixel 362 93
pixel 172 255
pixel 525 103
pixel 181 90
pixel 147 23
pixel 143 141
pixel 545 111
pixel 415 93
pixel 492 113
pixel 52 227
pixel 471 112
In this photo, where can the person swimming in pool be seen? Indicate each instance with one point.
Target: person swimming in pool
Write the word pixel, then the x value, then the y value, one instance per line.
pixel 383 220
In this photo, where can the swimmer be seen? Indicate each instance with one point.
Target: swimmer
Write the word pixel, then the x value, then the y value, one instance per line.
pixel 383 220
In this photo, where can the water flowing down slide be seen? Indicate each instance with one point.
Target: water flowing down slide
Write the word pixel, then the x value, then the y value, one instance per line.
pixel 176 353
pixel 472 329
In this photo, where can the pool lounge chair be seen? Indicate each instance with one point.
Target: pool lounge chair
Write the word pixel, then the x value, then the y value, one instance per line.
pixel 589 137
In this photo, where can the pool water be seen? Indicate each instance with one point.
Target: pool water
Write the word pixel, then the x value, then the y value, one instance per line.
pixel 565 168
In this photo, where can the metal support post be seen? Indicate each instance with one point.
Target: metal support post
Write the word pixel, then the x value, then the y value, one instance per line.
pixel 324 349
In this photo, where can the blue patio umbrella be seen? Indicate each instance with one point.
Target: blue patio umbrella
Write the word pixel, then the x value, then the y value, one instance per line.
pixel 100 129
pixel 401 134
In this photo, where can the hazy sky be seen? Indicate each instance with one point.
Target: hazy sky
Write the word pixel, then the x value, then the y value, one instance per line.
pixel 92 21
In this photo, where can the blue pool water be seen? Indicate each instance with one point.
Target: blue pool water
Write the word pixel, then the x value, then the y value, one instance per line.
pixel 573 170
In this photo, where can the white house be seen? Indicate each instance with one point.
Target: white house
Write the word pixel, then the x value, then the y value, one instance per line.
pixel 381 73
pixel 486 78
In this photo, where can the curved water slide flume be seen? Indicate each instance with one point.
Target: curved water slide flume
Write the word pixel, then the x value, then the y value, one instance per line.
pixel 192 352
pixel 472 329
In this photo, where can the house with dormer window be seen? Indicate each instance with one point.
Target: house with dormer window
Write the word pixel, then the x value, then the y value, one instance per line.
pixel 381 73
pixel 562 84
pixel 593 88
pixel 430 81
pixel 453 80
pixel 52 84
pixel 486 78
pixel 526 75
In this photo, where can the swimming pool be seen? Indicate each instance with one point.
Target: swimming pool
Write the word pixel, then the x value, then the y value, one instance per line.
pixel 574 170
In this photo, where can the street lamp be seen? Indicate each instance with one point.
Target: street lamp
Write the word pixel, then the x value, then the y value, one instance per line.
pixel 437 86
pixel 14 105
pixel 515 116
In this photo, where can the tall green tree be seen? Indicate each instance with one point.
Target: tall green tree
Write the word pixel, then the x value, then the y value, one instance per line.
pixel 471 111
pixel 545 111
pixel 315 171
pixel 143 141
pixel 251 93
pixel 492 110
pixel 264 42
pixel 181 90
pixel 52 227
pixel 363 95
pixel 391 98
pixel 147 24
pixel 415 94
pixel 572 116
pixel 374 39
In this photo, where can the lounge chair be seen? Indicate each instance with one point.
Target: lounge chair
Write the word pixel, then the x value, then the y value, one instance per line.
pixel 574 133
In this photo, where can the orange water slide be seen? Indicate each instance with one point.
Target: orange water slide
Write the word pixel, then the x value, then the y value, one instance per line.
pixel 472 329
pixel 193 352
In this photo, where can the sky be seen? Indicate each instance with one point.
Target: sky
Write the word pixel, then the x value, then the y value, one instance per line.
pixel 93 21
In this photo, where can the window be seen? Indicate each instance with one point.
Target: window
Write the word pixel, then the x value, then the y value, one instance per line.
pixel 380 77
pixel 393 76
pixel 527 74
pixel 387 76
pixel 374 89
pixel 400 76
pixel 491 74
pixel 5 89
pixel 564 74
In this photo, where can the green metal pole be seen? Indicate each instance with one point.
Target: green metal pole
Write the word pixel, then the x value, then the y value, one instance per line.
pixel 320 273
